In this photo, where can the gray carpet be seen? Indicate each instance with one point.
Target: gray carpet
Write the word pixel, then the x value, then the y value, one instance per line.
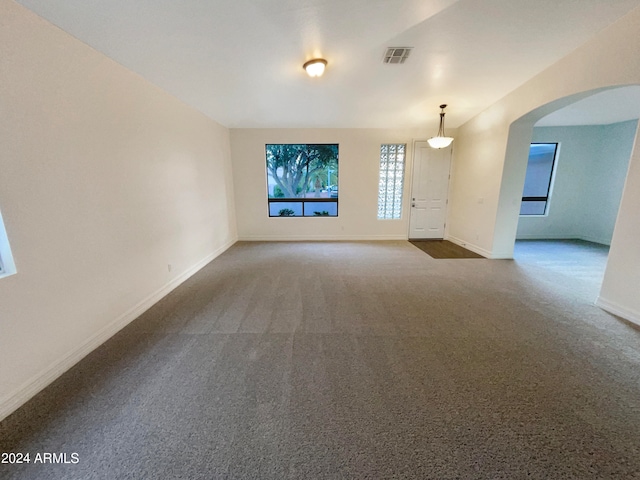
pixel 351 360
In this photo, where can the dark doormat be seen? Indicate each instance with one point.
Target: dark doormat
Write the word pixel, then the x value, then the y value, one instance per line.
pixel 443 249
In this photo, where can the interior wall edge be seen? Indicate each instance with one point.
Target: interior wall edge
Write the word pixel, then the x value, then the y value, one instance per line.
pixel 38 382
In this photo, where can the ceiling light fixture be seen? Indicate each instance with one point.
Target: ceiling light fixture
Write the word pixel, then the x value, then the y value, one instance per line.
pixel 315 67
pixel 440 141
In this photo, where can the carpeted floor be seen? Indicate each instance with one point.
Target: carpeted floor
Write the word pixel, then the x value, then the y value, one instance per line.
pixel 351 360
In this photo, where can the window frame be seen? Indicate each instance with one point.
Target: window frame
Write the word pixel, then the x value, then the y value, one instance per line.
pixel 547 198
pixel 303 201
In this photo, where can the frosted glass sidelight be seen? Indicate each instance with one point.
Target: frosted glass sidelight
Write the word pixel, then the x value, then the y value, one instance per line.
pixel 390 186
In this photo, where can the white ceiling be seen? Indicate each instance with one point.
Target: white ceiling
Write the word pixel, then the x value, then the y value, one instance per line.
pixel 240 61
pixel 603 108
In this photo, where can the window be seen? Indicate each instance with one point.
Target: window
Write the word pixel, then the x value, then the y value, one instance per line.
pixel 302 180
pixel 537 183
pixel 7 267
pixel 391 181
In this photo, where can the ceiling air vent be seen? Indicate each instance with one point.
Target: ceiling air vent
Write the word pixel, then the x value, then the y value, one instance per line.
pixel 397 54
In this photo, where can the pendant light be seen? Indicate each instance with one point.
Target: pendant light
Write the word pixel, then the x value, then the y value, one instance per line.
pixel 440 141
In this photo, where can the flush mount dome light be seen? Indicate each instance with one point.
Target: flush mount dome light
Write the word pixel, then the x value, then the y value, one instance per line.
pixel 440 141
pixel 315 67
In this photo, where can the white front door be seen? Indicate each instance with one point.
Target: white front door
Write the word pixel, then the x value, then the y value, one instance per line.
pixel 429 190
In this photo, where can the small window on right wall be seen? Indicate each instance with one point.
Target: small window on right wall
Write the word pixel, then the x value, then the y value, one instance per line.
pixel 7 266
pixel 537 183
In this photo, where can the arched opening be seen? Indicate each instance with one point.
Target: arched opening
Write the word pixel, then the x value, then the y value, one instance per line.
pixel 595 132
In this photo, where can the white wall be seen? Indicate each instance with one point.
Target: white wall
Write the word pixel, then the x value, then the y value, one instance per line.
pixel 590 171
pixel 105 180
pixel 359 161
pixel 491 152
pixel 606 182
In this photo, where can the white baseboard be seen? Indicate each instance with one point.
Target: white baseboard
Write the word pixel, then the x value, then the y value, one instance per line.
pixel 471 246
pixel 618 310
pixel 14 400
pixel 533 236
pixel 601 241
pixel 538 236
pixel 318 238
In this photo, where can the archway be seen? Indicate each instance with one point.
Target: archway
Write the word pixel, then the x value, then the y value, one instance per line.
pixel 513 177
pixel 616 278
